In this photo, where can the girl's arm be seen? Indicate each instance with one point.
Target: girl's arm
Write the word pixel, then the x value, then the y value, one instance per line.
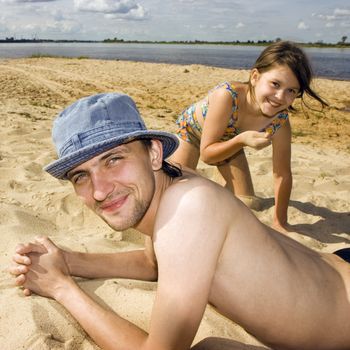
pixel 212 150
pixel 281 158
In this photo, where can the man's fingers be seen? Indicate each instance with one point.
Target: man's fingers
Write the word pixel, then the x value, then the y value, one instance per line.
pixel 30 248
pixel 45 242
pixel 21 259
pixel 27 292
pixel 20 280
pixel 18 269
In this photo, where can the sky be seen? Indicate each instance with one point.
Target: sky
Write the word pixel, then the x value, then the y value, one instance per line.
pixel 156 20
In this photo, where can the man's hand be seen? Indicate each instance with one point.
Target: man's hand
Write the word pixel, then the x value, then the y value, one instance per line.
pixel 39 267
pixel 21 263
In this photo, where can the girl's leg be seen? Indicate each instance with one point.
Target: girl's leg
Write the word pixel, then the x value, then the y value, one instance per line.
pixel 237 175
pixel 238 180
pixel 186 155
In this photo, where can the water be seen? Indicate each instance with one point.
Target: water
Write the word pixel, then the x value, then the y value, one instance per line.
pixel 327 62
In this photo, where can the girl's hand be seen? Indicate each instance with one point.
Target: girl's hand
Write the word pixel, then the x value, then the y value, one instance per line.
pixel 255 139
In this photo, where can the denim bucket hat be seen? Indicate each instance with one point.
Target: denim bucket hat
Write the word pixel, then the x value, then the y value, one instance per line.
pixel 95 124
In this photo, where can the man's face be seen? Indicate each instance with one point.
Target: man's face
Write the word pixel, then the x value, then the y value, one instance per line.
pixel 118 185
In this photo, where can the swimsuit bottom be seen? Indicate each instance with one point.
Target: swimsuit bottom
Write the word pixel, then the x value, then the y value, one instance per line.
pixel 190 131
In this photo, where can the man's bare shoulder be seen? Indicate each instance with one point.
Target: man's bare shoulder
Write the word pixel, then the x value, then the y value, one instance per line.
pixel 191 210
pixel 194 191
pixel 190 184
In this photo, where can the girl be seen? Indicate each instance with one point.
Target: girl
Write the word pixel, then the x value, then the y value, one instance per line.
pixel 254 114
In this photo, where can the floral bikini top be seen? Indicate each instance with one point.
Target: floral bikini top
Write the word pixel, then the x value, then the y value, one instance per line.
pixel 232 129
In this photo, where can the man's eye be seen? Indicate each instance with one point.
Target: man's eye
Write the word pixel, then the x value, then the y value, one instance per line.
pixel 78 178
pixel 113 160
pixel 275 84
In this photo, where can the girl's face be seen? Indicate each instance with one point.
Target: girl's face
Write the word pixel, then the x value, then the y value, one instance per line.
pixel 275 89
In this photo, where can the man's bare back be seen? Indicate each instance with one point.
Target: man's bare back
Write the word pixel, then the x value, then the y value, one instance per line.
pixel 258 273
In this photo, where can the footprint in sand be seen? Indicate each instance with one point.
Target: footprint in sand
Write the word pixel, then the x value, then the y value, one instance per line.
pixel 29 224
pixel 47 341
pixel 19 186
pixel 34 171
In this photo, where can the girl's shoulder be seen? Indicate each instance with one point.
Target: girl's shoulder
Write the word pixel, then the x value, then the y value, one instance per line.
pixel 235 88
pixel 232 88
pixel 224 86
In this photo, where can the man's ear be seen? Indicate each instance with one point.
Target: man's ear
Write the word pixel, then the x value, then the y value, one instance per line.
pixel 254 76
pixel 156 154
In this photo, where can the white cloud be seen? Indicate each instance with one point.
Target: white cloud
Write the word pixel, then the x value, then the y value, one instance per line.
pixel 302 25
pixel 337 14
pixel 57 15
pixel 345 24
pixel 138 13
pixel 340 17
pixel 240 25
pixel 218 26
pixel 120 9
pixel 327 17
pixel 341 12
pixel 50 26
pixel 105 6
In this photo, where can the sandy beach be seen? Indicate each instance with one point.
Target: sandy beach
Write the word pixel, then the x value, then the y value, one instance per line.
pixel 32 203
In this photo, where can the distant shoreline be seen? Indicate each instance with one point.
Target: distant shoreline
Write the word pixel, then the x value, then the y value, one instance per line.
pixel 329 63
pixel 186 42
pixel 149 61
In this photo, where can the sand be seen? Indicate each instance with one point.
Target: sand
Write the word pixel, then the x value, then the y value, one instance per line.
pixel 32 203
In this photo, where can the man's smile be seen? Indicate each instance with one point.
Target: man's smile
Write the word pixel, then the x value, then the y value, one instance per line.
pixel 114 204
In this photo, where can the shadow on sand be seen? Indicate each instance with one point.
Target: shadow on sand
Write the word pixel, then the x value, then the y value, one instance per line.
pixel 326 228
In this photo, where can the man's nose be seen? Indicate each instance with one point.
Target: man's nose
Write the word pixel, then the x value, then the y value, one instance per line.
pixel 102 187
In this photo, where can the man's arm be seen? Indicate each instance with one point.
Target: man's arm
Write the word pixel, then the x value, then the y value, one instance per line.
pixel 138 264
pixel 48 276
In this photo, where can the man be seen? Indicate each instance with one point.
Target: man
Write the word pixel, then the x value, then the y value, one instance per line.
pixel 203 245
